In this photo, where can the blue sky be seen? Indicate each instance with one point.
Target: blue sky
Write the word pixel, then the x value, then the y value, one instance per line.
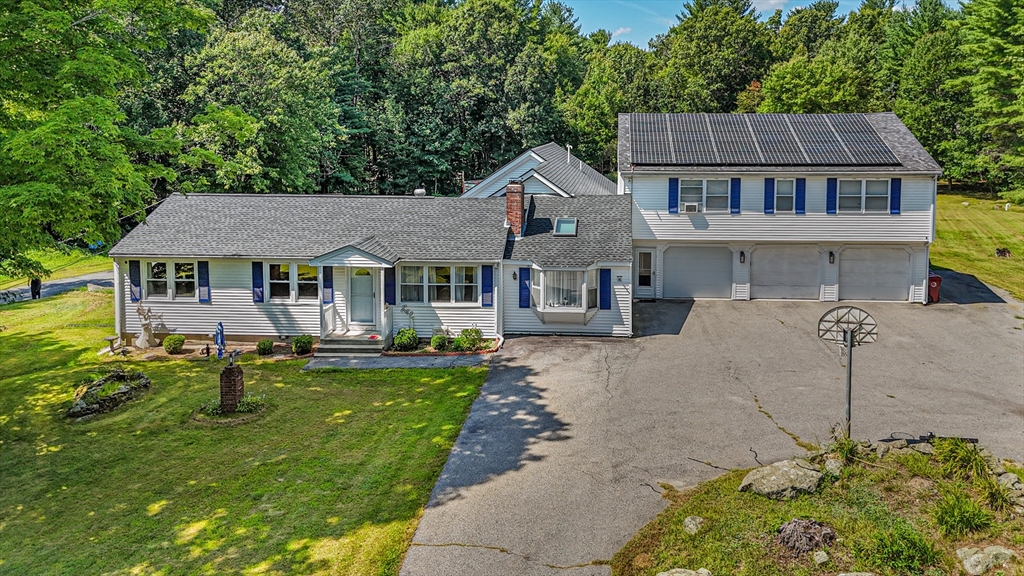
pixel 637 21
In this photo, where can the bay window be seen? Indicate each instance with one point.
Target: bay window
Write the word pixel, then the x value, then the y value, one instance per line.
pixel 564 296
pixel 562 289
pixel 591 289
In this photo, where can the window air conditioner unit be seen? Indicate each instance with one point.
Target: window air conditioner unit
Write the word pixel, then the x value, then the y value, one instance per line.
pixel 691 207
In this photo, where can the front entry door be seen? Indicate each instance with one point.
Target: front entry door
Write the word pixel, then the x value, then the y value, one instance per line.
pixel 645 273
pixel 361 297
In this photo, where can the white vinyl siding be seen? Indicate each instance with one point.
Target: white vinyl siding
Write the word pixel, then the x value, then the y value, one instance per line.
pixel 230 303
pixel 617 321
pixel 652 221
pixel 697 272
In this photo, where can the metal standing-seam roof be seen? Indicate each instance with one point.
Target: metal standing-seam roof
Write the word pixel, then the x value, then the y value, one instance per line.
pixel 845 143
pixel 570 174
pixel 307 226
pixel 604 232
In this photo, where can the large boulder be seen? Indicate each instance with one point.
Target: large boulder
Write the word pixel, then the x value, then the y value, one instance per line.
pixel 782 480
pixel 803 536
pixel 107 393
pixel 977 562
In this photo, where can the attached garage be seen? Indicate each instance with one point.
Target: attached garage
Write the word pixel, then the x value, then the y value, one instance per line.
pixel 785 272
pixel 697 272
pixel 874 274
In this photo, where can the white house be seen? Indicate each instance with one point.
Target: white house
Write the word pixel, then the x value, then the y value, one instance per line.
pixel 789 206
pixel 338 266
pixel 545 170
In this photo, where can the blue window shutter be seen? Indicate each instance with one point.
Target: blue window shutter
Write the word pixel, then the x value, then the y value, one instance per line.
pixel 831 195
pixel 328 278
pixel 769 195
pixel 135 279
pixel 203 272
pixel 801 196
pixel 487 286
pixel 257 281
pixel 389 286
pixel 895 191
pixel 604 286
pixel 734 196
pixel 673 195
pixel 524 287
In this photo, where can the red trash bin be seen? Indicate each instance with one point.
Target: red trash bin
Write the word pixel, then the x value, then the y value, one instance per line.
pixel 934 284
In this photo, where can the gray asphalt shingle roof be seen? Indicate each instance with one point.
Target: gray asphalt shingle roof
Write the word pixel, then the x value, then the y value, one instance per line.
pixel 570 174
pixel 604 232
pixel 307 226
pixel 909 154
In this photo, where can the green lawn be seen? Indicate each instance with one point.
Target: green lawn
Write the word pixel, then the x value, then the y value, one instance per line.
pixel 331 479
pixel 62 265
pixel 967 238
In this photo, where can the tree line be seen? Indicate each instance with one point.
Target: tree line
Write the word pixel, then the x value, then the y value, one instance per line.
pixel 106 107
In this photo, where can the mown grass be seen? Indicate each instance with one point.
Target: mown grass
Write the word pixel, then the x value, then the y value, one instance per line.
pixel 330 479
pixel 68 264
pixel 897 516
pixel 967 238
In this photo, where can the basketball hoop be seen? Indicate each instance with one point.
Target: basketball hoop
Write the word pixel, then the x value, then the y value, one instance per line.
pixel 848 326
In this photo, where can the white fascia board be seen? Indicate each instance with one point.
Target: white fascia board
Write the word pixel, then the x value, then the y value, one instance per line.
pixel 546 182
pixel 500 173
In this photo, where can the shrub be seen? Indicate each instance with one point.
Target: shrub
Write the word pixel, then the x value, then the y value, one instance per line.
pixel 901 549
pixel 248 404
pixel 960 459
pixel 474 338
pixel 174 344
pixel 302 345
pixel 439 342
pixel 406 340
pixel 919 465
pixel 957 514
pixel 265 347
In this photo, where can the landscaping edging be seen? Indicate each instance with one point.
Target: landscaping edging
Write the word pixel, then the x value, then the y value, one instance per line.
pixel 498 341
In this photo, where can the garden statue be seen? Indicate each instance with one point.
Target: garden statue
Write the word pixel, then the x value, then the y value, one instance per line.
pixel 145 339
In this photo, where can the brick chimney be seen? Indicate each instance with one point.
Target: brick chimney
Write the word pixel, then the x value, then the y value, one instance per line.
pixel 514 206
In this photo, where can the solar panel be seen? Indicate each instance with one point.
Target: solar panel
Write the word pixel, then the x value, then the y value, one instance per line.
pixel 776 140
pixel 756 140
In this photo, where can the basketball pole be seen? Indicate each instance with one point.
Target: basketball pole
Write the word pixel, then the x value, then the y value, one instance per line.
pixel 849 377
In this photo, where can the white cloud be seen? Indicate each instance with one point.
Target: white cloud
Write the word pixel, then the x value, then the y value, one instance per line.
pixel 621 31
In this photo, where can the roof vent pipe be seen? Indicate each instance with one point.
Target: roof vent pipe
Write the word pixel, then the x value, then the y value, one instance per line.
pixel 568 154
pixel 419 192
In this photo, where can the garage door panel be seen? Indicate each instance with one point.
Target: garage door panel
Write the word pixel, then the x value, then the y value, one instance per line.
pixel 874 274
pixel 697 272
pixel 792 272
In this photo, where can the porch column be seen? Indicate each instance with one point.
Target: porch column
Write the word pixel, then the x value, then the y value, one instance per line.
pixel 118 300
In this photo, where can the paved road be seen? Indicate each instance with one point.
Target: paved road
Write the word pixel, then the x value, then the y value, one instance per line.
pixel 554 467
pixel 55 287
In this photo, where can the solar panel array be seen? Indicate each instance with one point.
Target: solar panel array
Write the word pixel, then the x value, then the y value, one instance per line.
pixel 757 140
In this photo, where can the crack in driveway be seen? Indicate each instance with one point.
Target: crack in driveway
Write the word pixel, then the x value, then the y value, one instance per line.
pixel 598 562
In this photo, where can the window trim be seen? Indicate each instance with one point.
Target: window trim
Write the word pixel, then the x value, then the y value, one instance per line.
pixel 452 284
pixel 293 284
pixel 704 195
pixel 172 295
pixel 793 196
pixel 863 195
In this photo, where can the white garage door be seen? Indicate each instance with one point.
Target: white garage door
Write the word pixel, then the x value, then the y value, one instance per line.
pixel 874 274
pixel 785 272
pixel 693 272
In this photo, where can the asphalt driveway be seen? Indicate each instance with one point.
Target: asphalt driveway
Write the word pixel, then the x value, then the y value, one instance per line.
pixel 559 461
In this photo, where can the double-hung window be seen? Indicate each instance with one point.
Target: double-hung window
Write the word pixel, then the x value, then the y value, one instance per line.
pixel 784 194
pixel 591 289
pixel 863 195
pixel 412 283
pixel 440 284
pixel 285 279
pixel 171 280
pixel 708 195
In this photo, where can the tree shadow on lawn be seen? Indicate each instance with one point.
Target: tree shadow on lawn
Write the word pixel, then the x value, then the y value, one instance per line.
pixel 506 420
pixel 961 288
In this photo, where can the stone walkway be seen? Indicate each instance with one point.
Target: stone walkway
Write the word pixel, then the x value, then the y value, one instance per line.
pixel 383 362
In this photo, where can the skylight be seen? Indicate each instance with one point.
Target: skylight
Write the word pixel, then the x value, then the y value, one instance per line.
pixel 565 226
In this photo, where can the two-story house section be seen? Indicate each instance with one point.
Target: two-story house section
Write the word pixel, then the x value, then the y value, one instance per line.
pixel 797 206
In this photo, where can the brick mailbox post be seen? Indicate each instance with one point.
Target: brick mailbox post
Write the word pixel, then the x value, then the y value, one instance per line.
pixel 232 388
